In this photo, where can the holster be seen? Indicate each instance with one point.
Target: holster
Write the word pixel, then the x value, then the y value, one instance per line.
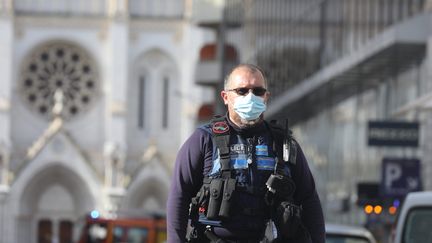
pixel 215 200
pixel 281 186
pixel 288 220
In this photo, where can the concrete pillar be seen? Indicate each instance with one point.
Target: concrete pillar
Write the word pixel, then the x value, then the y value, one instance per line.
pixel 426 136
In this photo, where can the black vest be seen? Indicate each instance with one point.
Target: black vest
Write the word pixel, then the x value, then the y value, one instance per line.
pixel 252 159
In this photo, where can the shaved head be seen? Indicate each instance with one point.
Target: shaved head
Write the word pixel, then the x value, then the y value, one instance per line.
pixel 251 68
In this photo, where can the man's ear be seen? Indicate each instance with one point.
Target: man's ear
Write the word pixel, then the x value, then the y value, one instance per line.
pixel 224 96
pixel 266 96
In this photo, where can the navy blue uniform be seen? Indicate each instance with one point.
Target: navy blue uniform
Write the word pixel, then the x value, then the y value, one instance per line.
pixel 195 160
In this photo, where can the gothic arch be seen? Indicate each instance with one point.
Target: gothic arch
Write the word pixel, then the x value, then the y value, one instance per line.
pixel 56 174
pixel 76 198
pixel 69 174
pixel 149 187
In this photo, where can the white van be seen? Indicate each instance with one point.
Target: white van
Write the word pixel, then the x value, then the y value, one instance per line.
pixel 336 233
pixel 414 222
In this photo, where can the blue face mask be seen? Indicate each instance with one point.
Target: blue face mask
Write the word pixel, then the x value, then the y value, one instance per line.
pixel 249 107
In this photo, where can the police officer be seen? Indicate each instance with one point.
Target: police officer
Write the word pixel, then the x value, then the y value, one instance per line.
pixel 241 179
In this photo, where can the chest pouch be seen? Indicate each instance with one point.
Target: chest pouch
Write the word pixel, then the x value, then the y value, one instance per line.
pixel 221 189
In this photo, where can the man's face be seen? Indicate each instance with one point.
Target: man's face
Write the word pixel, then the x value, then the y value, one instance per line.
pixel 242 78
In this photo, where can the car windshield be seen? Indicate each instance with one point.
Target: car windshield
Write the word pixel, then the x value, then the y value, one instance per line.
pixel 417 228
pixel 345 239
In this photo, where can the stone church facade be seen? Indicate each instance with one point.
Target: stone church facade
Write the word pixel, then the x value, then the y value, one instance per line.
pixel 95 99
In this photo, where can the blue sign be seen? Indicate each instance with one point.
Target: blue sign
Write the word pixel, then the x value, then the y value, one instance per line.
pixel 400 176
pixel 393 133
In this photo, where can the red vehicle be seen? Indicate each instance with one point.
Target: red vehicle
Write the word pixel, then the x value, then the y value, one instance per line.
pixel 119 230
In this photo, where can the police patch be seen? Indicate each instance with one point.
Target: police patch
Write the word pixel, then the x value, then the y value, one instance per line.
pixel 220 127
pixel 261 150
pixel 238 148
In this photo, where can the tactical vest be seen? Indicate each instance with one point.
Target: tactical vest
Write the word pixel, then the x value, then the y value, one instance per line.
pixel 234 193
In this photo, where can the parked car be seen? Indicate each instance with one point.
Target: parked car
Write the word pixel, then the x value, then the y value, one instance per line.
pixel 414 221
pixel 336 233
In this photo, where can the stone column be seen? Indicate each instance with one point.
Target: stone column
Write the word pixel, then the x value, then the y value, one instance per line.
pixel 4 192
pixel 117 75
pixel 6 62
pixel 116 99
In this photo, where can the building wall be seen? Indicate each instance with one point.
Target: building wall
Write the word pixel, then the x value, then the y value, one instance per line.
pixel 335 140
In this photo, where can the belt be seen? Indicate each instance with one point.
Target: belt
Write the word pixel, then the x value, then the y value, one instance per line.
pixel 215 239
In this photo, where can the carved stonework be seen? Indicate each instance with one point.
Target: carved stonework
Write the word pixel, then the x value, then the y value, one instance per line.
pixel 114 166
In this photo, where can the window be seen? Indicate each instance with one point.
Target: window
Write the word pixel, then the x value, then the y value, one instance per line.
pixel 165 108
pixel 345 239
pixel 118 234
pixel 418 226
pixel 141 99
pixel 130 234
pixel 137 235
pixel 59 67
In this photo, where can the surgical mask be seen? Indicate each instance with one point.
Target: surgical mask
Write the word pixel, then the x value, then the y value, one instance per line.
pixel 249 107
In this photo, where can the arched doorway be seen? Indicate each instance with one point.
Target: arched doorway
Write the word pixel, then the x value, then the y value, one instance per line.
pixel 51 206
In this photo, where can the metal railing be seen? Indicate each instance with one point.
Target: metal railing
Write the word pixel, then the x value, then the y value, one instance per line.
pixel 134 8
pixel 156 8
pixel 292 39
pixel 61 7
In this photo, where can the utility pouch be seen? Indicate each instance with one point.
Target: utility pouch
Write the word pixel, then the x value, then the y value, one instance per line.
pixel 288 219
pixel 283 187
pixel 229 188
pixel 216 187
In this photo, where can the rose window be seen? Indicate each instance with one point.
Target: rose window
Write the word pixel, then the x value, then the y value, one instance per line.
pixel 63 67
